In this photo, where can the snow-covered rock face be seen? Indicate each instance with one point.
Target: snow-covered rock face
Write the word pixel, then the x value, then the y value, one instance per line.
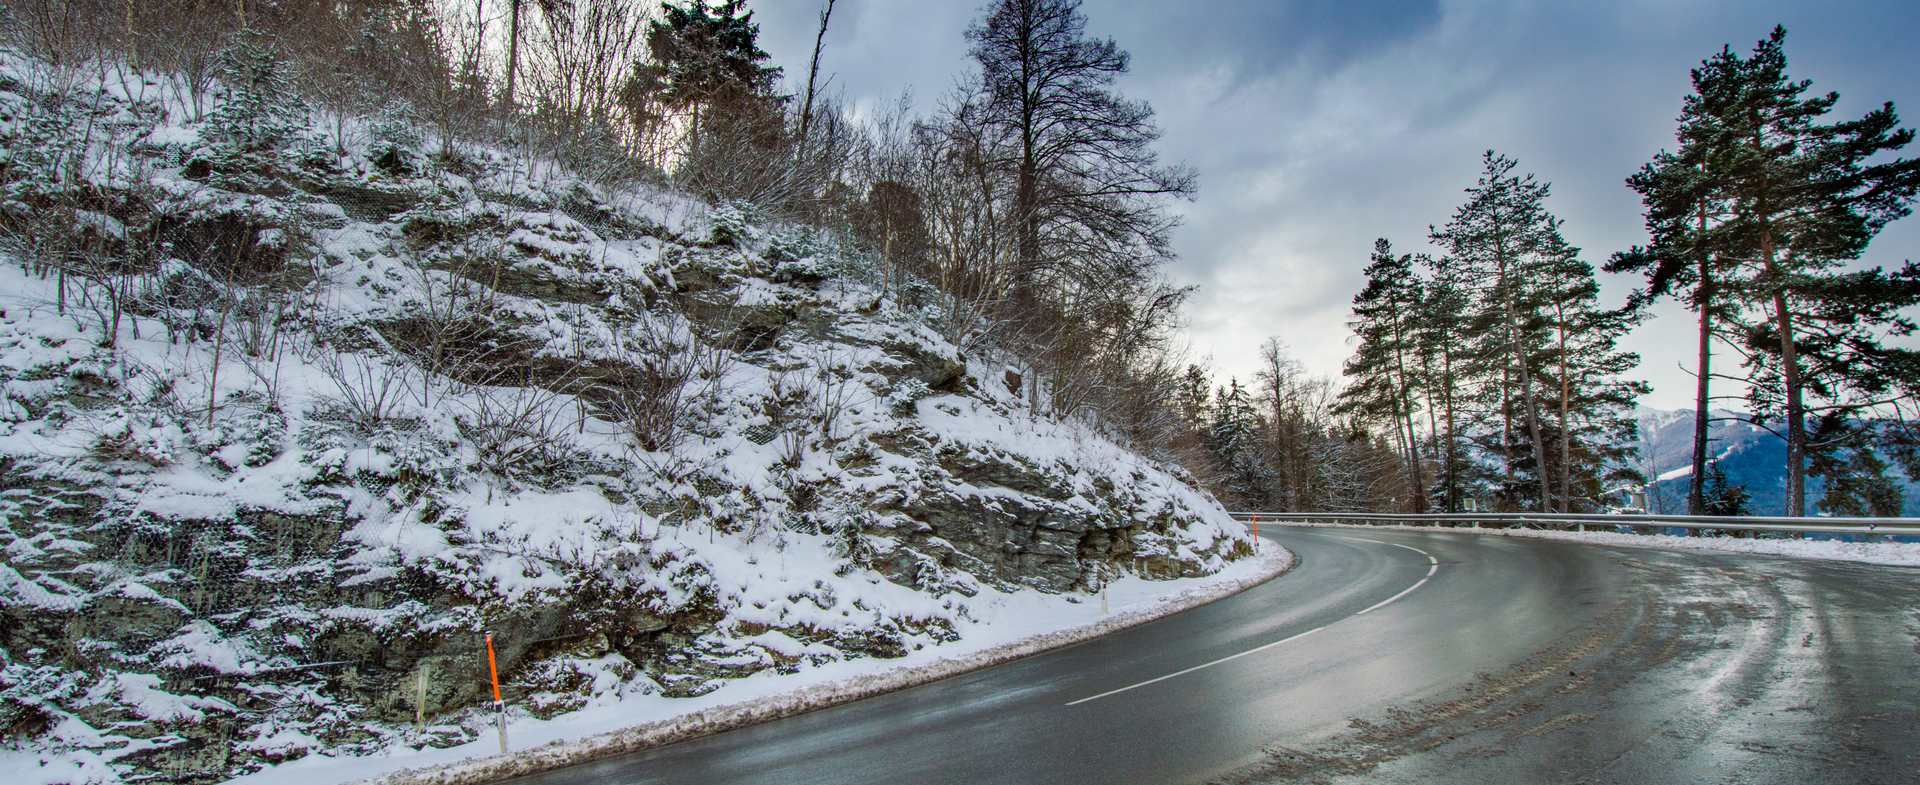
pixel 271 475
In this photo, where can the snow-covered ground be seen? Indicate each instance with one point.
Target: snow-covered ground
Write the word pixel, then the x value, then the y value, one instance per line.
pixel 1901 554
pixel 1904 554
pixel 1009 626
pixel 300 428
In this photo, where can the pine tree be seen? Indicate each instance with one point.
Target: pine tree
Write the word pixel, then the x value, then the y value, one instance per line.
pixel 1385 365
pixel 1593 404
pixel 1683 211
pixel 704 56
pixel 1807 202
pixel 1767 201
pixel 1439 322
pixel 1722 497
pixel 1191 396
pixel 255 126
pixel 1233 439
pixel 1850 466
pixel 1495 245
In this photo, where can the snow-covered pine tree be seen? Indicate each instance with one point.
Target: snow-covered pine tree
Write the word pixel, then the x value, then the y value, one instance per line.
pixel 260 117
pixel 1233 439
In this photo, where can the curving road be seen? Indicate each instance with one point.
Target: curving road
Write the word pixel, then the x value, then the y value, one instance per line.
pixel 1403 656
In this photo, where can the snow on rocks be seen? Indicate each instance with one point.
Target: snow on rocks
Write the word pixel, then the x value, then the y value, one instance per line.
pixel 1018 625
pixel 321 425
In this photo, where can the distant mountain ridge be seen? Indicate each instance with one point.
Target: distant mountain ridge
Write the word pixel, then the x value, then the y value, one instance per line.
pixel 1750 456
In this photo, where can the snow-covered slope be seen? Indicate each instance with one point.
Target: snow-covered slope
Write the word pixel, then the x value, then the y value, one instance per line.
pixel 298 430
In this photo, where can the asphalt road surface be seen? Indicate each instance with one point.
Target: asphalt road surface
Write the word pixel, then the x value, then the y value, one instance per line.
pixel 1400 656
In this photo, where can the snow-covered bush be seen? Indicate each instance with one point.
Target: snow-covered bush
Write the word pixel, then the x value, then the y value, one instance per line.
pixel 258 124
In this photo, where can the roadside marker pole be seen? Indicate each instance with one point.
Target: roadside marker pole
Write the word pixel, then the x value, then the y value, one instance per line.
pixel 499 705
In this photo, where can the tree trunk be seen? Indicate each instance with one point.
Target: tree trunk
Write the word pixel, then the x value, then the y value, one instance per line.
pixel 1027 194
pixel 1697 484
pixel 513 47
pixel 1433 414
pixel 1790 371
pixel 1566 435
pixel 1533 411
pixel 813 73
pixel 1796 414
pixel 1025 205
pixel 1406 420
pixel 1453 444
pixel 1506 421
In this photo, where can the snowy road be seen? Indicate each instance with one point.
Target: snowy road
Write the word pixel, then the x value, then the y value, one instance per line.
pixel 1401 656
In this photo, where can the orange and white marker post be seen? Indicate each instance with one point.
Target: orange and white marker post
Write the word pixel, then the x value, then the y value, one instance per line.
pixel 498 705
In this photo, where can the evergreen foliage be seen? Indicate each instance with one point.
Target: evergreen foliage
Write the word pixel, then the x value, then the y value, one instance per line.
pixel 1383 366
pixel 1852 469
pixel 260 118
pixel 1759 209
pixel 1503 345
pixel 1496 245
pixel 1536 359
pixel 1723 498
pixel 704 56
pixel 1442 366
pixel 1233 439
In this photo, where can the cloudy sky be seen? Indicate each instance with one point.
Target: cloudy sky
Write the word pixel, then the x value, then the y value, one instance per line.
pixel 1319 125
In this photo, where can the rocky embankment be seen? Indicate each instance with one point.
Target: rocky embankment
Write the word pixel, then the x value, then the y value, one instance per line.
pixel 301 429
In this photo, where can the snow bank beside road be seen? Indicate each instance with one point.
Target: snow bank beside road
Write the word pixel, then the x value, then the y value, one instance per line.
pixel 1012 625
pixel 1899 554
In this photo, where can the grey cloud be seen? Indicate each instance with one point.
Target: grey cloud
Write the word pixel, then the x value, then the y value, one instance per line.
pixel 1256 38
pixel 1320 125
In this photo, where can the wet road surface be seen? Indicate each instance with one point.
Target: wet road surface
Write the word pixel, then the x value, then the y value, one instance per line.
pixel 1408 656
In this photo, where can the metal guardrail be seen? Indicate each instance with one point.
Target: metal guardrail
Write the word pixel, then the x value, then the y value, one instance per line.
pixel 1871 526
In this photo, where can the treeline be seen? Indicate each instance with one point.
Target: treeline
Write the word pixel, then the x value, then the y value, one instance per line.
pixel 1484 378
pixel 1492 366
pixel 1028 207
pixel 1285 443
pixel 1487 374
